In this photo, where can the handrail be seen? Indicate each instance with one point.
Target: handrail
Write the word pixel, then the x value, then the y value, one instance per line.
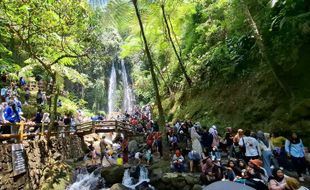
pixel 81 128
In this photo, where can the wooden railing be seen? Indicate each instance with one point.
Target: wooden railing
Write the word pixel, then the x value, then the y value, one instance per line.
pixel 80 129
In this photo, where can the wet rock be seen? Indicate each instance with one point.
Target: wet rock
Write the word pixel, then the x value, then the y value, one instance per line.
pixel 156 174
pixel 119 186
pixel 113 174
pixel 134 172
pixel 143 186
pixel 197 187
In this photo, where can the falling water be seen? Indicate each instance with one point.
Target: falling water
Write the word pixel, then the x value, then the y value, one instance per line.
pixel 98 3
pixel 85 181
pixel 112 90
pixel 143 177
pixel 128 94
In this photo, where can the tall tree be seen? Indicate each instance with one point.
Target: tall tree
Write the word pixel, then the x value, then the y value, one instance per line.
pixel 262 47
pixel 51 32
pixel 152 69
pixel 177 54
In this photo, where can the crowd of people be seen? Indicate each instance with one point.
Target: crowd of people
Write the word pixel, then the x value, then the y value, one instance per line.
pixel 17 93
pixel 255 159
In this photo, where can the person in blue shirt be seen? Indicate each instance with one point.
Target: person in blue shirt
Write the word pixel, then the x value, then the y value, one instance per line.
pixel 22 81
pixel 11 113
pixel 295 150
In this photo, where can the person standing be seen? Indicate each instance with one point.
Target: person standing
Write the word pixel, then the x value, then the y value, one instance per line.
pixel 103 147
pixel 195 137
pixel 250 145
pixel 295 150
pixel 265 147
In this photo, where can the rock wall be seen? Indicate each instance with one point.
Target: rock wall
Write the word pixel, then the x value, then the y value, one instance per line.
pixel 42 158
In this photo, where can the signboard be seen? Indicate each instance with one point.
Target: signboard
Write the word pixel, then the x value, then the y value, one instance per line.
pixel 18 158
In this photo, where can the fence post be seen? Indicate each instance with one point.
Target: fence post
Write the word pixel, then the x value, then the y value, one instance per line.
pixel 21 131
pixel 42 130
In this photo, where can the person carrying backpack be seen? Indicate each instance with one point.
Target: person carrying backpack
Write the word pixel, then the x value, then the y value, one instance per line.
pixel 295 150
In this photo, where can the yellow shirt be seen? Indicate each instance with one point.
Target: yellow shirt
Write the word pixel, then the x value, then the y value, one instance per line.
pixel 119 161
pixel 278 141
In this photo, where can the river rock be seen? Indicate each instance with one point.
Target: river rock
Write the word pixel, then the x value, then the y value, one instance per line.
pixel 156 174
pixel 190 179
pixel 119 186
pixel 143 186
pixel 113 174
pixel 134 172
pixel 197 187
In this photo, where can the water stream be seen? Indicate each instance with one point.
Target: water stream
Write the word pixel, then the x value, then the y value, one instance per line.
pixel 128 100
pixel 90 181
pixel 112 90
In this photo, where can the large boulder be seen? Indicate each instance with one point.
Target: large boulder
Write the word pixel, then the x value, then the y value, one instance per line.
pixel 113 174
pixel 174 181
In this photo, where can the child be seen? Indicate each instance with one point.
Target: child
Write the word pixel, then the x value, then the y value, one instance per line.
pixel 148 155
pixel 119 160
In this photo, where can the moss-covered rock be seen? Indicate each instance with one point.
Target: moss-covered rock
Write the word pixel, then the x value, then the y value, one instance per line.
pixel 113 174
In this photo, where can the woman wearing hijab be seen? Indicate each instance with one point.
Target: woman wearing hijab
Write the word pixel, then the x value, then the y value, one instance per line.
pixel 295 150
pixel 195 137
pixel 278 180
pixel 265 147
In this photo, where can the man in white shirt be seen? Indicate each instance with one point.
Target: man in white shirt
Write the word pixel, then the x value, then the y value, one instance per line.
pixel 251 146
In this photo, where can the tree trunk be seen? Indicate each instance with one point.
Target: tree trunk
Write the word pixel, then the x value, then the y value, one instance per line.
pixel 54 98
pixel 161 120
pixel 189 81
pixel 262 48
pixel 162 77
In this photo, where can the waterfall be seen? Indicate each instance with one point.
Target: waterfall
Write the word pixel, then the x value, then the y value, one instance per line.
pixel 98 3
pixel 112 90
pixel 85 181
pixel 128 94
pixel 127 181
pixel 143 178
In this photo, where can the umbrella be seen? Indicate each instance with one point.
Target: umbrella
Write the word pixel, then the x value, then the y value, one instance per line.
pixel 227 185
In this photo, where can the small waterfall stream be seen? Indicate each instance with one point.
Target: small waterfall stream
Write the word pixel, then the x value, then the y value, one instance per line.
pixel 112 90
pixel 90 181
pixel 128 94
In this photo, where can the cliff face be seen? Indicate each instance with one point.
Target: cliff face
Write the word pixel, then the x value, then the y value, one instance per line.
pixel 254 102
pixel 43 161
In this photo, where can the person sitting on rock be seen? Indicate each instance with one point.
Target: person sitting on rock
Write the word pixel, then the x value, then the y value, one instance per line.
pixel 194 159
pixel 211 172
pixel 278 180
pixel 178 162
pixel 255 175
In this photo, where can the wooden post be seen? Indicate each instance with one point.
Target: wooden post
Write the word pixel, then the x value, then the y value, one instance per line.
pixel 21 131
pixel 42 131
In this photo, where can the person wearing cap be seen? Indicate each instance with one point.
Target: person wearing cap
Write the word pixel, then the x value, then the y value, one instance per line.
pixel 256 176
pixel 178 162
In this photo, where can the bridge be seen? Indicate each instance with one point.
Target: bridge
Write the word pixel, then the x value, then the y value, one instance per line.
pixel 80 129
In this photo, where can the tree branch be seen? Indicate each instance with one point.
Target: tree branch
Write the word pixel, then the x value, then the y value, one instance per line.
pixel 67 56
